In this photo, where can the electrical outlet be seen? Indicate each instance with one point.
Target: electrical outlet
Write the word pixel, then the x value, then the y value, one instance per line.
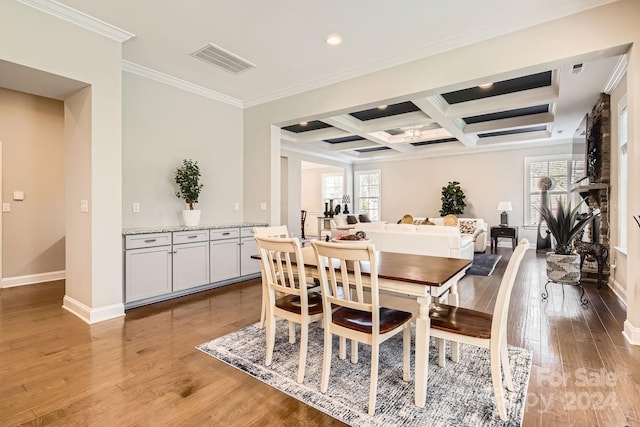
pixel 84 206
pixel 6 207
pixel 135 207
pixel 263 206
pixel 236 206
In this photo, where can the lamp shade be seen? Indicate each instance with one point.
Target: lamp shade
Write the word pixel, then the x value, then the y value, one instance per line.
pixel 505 206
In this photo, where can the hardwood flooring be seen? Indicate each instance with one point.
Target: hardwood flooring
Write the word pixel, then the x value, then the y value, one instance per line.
pixel 144 369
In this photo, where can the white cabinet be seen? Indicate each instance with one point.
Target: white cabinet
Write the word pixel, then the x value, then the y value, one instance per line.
pixel 248 247
pixel 190 260
pixel 147 266
pixel 224 253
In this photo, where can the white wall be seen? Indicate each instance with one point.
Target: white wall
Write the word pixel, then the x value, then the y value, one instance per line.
pixel 40 41
pixel 161 126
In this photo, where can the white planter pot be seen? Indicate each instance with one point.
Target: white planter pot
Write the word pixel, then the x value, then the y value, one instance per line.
pixel 191 218
pixel 563 268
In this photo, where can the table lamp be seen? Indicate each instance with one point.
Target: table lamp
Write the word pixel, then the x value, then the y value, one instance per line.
pixel 504 217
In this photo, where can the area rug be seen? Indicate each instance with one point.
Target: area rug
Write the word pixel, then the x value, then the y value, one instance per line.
pixel 460 394
pixel 483 264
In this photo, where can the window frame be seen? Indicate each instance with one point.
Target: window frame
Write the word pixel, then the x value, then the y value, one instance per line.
pixel 623 140
pixel 357 198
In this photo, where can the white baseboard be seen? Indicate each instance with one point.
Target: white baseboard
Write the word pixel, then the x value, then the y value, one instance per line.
pixel 32 279
pixel 631 333
pixel 92 315
pixel 618 289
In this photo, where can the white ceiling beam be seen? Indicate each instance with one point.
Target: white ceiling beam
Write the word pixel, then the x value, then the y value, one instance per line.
pixel 435 107
pixel 352 125
pixel 510 123
pixel 351 145
pixel 415 118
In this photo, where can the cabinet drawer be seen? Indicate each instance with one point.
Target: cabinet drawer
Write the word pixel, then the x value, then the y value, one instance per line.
pixel 224 233
pixel 190 236
pixel 503 232
pixel 246 232
pixel 136 241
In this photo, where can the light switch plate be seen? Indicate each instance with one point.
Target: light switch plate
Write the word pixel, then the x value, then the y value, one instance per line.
pixel 6 207
pixel 236 206
pixel 84 206
pixel 263 206
pixel 18 195
pixel 135 207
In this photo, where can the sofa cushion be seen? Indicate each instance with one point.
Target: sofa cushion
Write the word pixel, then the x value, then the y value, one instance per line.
pixel 405 228
pixel 467 226
pixel 351 219
pixel 364 218
pixel 370 226
pixel 341 221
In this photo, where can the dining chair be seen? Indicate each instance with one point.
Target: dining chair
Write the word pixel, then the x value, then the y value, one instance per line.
pixel 481 329
pixel 353 315
pixel 272 231
pixel 287 294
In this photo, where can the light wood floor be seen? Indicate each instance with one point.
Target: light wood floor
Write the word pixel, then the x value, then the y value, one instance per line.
pixel 144 370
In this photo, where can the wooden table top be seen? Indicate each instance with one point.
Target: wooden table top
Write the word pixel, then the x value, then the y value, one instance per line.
pixel 418 269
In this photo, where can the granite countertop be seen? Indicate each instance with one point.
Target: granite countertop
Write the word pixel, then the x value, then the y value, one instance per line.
pixel 171 228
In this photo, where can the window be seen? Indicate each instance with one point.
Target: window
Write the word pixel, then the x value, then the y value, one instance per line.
pixel 563 169
pixel 332 186
pixel 622 175
pixel 367 198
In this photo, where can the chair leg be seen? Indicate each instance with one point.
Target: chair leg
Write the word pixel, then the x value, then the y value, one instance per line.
pixel 263 309
pixel 406 360
pixel 271 338
pixel 496 379
pixel 354 351
pixel 506 367
pixel 326 360
pixel 292 332
pixel 342 348
pixel 304 338
pixel 373 389
pixel 442 348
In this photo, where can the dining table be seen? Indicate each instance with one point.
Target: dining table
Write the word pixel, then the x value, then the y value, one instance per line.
pixel 426 279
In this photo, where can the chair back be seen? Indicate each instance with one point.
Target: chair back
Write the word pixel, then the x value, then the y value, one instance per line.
pixel 340 267
pixel 278 256
pixel 501 309
pixel 273 231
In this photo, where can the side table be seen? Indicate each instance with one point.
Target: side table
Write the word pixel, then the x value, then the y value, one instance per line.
pixel 499 231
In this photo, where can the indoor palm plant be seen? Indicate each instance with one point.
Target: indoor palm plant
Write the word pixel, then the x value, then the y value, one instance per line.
pixel 187 177
pixel 563 265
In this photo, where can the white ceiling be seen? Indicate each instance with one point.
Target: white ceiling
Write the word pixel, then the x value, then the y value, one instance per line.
pixel 286 41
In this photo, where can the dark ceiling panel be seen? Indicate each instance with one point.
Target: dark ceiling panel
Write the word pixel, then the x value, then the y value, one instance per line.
pixel 394 132
pixel 518 84
pixel 344 139
pixel 368 150
pixel 314 125
pixel 391 110
pixel 433 141
pixel 518 112
pixel 513 131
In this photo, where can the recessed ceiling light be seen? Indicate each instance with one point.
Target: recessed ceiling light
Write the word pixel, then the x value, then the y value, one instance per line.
pixel 485 86
pixel 303 123
pixel 382 107
pixel 334 39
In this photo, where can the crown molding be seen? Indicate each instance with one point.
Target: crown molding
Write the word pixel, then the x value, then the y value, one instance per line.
pixel 149 73
pixel 616 75
pixel 81 19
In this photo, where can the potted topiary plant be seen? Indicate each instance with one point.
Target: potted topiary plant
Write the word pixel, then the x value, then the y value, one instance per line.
pixel 563 264
pixel 187 177
pixel 452 199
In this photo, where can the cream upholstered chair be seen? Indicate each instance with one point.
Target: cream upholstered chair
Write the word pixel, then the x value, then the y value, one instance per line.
pixel 287 294
pixel 272 231
pixel 348 315
pixel 482 329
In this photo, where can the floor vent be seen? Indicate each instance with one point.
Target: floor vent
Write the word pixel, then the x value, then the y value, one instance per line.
pixel 215 55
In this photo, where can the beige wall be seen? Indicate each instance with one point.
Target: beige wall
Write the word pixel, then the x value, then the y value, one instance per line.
pixel 163 125
pixel 32 135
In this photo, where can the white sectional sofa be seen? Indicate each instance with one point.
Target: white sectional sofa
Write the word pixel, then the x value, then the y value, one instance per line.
pixel 432 240
pixel 475 227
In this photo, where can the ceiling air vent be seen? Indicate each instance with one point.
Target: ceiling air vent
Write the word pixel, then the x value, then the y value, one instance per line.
pixel 215 55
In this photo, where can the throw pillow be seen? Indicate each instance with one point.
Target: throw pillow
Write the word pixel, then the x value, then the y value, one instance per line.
pixel 418 221
pixel 341 220
pixel 467 226
pixel 451 220
pixel 427 222
pixel 407 219
pixel 364 218
pixel 351 219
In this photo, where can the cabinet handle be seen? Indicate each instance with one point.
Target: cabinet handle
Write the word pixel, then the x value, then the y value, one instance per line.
pixel 175 252
pixel 150 240
pixel 191 237
pixel 226 234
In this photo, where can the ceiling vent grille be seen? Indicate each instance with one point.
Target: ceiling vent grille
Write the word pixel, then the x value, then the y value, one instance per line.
pixel 215 55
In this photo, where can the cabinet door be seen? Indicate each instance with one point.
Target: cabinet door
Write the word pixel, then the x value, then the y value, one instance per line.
pixel 248 247
pixel 147 272
pixel 190 265
pixel 225 259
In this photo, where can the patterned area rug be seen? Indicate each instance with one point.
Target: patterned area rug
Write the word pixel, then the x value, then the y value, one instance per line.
pixel 460 394
pixel 483 264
